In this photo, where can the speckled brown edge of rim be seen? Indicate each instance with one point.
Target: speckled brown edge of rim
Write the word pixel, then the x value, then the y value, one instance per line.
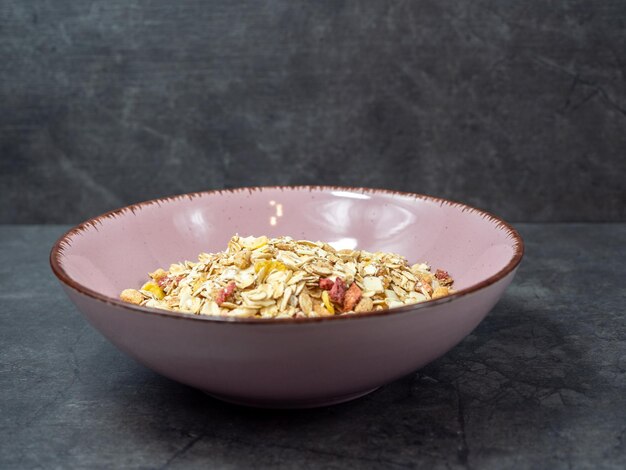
pixel 65 241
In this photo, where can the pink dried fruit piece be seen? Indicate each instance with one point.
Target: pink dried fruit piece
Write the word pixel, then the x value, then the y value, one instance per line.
pixel 225 293
pixel 443 277
pixel 338 291
pixel 169 280
pixel 326 284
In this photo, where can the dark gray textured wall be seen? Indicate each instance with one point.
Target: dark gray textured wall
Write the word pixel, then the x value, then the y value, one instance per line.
pixel 516 107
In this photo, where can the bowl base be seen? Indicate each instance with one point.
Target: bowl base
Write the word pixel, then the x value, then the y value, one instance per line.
pixel 288 404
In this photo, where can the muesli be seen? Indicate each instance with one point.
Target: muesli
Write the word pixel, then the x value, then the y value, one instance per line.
pixel 286 278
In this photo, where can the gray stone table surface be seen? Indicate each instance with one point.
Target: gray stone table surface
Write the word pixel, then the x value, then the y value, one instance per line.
pixel 541 383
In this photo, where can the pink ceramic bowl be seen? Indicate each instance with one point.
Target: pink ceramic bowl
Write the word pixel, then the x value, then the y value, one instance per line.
pixel 293 362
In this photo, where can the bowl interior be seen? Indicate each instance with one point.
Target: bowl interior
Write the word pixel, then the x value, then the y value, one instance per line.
pixel 116 251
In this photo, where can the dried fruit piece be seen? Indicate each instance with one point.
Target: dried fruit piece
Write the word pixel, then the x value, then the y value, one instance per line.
pixel 269 265
pixel 352 297
pixel 225 293
pixel 440 274
pixel 253 243
pixel 197 284
pixel 169 281
pixel 443 277
pixel 338 291
pixel 154 289
pixel 327 303
pixel 326 284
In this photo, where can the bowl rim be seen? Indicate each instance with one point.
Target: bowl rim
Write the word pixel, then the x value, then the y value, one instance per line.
pixel 63 242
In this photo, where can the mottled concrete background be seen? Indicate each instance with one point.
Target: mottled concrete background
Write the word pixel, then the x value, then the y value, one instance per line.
pixel 516 107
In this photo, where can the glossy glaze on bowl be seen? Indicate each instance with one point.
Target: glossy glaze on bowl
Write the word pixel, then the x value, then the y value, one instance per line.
pixel 299 362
